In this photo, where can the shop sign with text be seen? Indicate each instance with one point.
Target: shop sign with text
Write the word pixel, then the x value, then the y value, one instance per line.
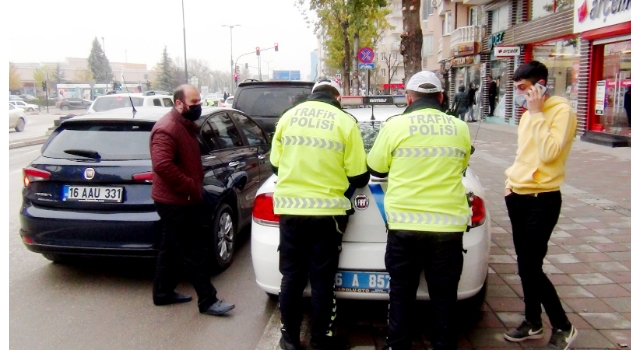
pixel 465 61
pixel 595 14
pixel 464 49
pixel 495 39
pixel 506 51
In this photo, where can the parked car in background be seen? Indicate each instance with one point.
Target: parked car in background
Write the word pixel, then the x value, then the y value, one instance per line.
pixel 147 99
pixel 265 101
pixel 89 192
pixel 26 106
pixel 228 103
pixel 73 103
pixel 16 118
pixel 15 98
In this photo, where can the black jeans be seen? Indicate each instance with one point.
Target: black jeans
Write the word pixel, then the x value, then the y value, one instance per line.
pixel 183 242
pixel 532 220
pixel 439 254
pixel 309 250
pixel 492 105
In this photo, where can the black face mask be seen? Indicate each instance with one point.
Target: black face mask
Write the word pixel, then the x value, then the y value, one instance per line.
pixel 192 113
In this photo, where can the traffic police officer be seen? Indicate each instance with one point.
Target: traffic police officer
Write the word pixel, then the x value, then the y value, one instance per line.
pixel 424 153
pixel 318 153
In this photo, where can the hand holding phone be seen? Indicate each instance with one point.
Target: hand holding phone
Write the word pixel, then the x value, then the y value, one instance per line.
pixel 533 99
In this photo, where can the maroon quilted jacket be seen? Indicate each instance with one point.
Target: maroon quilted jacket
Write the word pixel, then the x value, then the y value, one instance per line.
pixel 175 157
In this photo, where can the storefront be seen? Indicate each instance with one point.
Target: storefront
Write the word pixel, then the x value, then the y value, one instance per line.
pixel 562 58
pixel 606 29
pixel 499 70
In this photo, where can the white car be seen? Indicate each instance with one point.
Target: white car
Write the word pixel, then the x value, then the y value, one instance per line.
pixel 16 118
pixel 228 102
pixel 121 100
pixel 361 271
pixel 26 106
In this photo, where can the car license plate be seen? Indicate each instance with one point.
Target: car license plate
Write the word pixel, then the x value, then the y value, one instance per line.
pixel 362 282
pixel 92 194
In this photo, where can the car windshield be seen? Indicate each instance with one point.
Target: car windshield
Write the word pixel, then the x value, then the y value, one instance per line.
pixel 272 101
pixel 112 140
pixel 107 103
pixel 369 130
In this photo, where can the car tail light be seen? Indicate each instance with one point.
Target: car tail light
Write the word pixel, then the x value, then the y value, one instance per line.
pixel 143 177
pixel 32 174
pixel 478 210
pixel 263 210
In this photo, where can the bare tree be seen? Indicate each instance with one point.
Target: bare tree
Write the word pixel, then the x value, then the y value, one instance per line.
pixel 391 62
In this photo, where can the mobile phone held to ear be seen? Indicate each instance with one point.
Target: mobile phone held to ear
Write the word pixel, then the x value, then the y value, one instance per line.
pixel 520 99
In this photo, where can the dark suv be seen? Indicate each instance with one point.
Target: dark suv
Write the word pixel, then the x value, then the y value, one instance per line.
pixel 89 193
pixel 265 101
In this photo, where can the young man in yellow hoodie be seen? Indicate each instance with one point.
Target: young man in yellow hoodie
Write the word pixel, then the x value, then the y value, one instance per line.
pixel 533 199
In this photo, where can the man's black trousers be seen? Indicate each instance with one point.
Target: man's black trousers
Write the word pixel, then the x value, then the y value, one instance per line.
pixel 309 250
pixel 532 220
pixel 492 105
pixel 182 249
pixel 439 255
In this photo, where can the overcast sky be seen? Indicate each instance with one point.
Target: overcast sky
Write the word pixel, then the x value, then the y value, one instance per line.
pixel 139 29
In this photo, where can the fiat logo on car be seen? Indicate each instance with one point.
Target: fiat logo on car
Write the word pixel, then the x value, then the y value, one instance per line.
pixel 361 202
pixel 89 173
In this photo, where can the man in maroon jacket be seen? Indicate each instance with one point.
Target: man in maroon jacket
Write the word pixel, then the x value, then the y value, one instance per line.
pixel 177 194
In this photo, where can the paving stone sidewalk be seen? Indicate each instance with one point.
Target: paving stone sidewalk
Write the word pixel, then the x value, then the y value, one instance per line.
pixel 589 258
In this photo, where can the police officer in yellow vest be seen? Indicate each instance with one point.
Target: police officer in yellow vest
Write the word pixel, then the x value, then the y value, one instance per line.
pixel 424 153
pixel 317 152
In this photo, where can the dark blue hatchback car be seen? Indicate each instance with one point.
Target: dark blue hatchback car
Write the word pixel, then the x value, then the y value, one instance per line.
pixel 89 192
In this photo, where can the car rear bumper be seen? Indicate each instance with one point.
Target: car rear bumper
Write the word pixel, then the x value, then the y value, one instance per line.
pixel 370 257
pixel 135 234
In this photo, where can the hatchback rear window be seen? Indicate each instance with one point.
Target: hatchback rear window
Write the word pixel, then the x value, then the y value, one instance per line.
pixel 106 103
pixel 111 140
pixel 270 101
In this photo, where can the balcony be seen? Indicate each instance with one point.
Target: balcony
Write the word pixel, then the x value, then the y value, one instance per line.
pixel 466 35
pixel 476 2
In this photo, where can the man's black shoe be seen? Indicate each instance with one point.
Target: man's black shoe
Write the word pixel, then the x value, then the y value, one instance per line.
pixel 329 343
pixel 218 308
pixel 285 345
pixel 177 298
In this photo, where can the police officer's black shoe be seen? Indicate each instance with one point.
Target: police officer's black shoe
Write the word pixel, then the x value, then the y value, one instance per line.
pixel 285 345
pixel 329 343
pixel 177 298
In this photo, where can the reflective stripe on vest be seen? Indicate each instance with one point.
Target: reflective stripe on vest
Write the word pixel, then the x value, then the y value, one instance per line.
pixel 311 203
pixel 419 152
pixel 313 142
pixel 427 218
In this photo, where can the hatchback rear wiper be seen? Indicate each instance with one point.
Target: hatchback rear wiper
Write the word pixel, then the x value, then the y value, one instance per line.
pixel 83 153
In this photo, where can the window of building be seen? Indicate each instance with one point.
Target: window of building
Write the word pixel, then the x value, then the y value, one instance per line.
pixel 541 8
pixel 427 45
pixel 384 72
pixel 447 24
pixel 427 9
pixel 500 19
pixel 476 16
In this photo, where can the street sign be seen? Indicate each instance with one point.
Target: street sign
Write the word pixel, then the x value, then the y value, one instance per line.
pixel 366 65
pixel 339 76
pixel 365 55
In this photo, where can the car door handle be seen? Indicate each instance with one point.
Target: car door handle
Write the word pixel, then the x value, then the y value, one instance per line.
pixel 210 157
pixel 261 156
pixel 234 164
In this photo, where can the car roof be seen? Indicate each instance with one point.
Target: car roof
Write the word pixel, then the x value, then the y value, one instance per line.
pixel 136 94
pixel 277 82
pixel 149 113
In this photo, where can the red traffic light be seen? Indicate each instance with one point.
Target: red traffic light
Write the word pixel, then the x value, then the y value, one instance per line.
pixel 235 76
pixel 257 51
pixel 276 46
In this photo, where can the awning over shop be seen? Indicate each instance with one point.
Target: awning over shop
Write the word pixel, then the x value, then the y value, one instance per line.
pixel 393 86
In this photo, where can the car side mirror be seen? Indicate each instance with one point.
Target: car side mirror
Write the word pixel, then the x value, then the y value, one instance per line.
pixel 473 149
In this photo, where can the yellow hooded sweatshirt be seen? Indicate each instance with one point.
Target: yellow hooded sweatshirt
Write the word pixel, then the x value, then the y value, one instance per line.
pixel 544 143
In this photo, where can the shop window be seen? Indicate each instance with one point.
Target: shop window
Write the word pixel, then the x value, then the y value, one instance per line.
pixel 562 58
pixel 541 8
pixel 615 115
pixel 427 45
pixel 500 19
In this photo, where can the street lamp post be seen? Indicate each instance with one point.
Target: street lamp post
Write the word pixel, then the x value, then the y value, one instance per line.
pixel 231 52
pixel 184 34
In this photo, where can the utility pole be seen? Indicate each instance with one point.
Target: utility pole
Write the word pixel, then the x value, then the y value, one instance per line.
pixel 231 53
pixel 184 34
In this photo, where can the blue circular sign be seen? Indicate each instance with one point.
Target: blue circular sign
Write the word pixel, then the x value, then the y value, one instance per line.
pixel 365 55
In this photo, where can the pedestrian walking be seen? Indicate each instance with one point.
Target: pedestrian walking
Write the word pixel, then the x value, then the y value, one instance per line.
pixel 177 193
pixel 423 186
pixel 493 95
pixel 533 199
pixel 311 230
pixel 471 100
pixel 461 102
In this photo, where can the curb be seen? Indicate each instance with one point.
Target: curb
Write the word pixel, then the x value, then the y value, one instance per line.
pixel 29 142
